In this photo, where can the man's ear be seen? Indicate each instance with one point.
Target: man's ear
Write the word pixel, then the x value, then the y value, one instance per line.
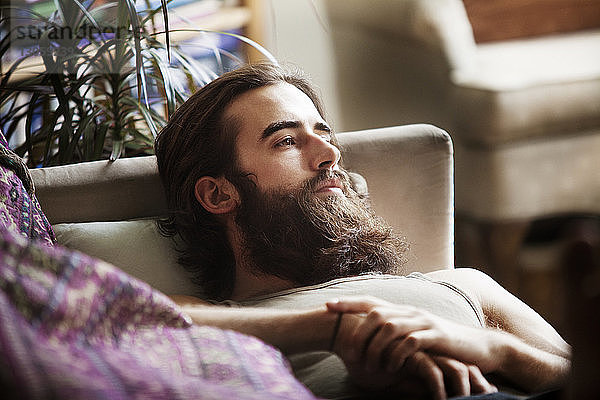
pixel 217 195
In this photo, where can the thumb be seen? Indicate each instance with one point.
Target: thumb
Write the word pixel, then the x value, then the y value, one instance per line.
pixel 358 305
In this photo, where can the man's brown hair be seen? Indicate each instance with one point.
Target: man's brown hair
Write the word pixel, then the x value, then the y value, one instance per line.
pixel 198 141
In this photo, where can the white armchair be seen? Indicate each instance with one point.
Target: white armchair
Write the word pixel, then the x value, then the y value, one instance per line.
pixel 524 114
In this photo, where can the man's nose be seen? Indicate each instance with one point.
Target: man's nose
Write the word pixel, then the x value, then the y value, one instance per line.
pixel 327 155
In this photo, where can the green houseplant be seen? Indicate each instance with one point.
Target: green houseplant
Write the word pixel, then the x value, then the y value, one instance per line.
pixel 96 79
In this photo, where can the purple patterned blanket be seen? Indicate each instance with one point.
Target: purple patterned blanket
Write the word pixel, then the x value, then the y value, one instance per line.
pixel 72 327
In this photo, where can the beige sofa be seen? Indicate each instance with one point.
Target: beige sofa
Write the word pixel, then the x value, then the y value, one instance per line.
pixel 108 210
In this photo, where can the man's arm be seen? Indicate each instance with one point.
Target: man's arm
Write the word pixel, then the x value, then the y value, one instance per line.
pixel 290 331
pixel 314 330
pixel 526 350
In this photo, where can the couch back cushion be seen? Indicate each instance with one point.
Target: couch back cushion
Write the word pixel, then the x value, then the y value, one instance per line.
pixel 134 246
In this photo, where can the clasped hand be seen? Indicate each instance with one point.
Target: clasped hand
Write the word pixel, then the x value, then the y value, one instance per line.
pixel 408 350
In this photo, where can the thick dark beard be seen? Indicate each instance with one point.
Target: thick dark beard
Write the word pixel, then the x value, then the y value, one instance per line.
pixel 301 237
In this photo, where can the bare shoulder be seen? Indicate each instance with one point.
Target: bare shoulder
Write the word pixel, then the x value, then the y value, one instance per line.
pixel 504 310
pixel 475 283
pixel 458 273
pixel 496 302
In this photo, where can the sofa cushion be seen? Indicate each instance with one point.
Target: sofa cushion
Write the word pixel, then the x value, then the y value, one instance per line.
pixel 134 246
pixel 19 209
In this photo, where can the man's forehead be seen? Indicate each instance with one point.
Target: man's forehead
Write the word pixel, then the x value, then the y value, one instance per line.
pixel 280 100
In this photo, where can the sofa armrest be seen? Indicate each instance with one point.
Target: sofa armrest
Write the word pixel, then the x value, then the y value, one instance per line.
pixel 409 171
pixel 128 188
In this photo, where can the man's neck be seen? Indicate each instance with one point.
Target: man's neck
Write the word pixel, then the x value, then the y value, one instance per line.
pixel 247 283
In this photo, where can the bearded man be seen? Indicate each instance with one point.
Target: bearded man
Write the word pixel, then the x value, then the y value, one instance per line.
pixel 267 219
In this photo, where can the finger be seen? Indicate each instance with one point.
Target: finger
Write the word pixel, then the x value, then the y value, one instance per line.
pixel 456 375
pixel 344 345
pixel 379 346
pixel 412 342
pixel 365 332
pixel 384 340
pixel 353 305
pixel 423 366
pixel 398 356
pixel 479 384
pixel 396 325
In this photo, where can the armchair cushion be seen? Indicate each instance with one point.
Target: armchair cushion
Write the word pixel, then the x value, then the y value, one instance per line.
pixel 527 89
pixel 442 25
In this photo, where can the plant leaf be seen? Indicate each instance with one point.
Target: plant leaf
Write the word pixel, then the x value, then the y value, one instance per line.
pixel 29 122
pixel 100 138
pixel 241 38
pixel 59 8
pixel 166 21
pixel 117 149
pixel 145 114
pixel 166 79
pixel 139 62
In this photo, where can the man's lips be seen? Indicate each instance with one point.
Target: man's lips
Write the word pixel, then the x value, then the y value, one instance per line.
pixel 329 185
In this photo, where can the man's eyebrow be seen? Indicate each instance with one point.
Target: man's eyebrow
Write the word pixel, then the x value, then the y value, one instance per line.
pixel 285 124
pixel 321 126
pixel 277 126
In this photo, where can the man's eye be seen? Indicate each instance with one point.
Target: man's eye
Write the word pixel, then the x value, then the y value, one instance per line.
pixel 288 141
